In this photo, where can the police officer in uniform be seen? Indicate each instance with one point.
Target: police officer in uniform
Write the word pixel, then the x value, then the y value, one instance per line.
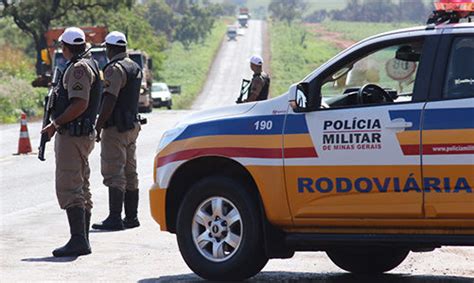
pixel 117 130
pixel 260 83
pixel 76 107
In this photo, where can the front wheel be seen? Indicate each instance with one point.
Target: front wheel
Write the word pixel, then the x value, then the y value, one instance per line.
pixel 368 260
pixel 219 231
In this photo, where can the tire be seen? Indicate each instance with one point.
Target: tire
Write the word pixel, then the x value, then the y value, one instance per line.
pixel 169 105
pixel 368 260
pixel 149 108
pixel 244 256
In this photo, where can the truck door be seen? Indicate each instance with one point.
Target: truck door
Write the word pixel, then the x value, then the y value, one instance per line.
pixel 448 133
pixel 365 164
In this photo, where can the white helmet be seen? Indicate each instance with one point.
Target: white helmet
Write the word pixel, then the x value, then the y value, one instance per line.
pixel 73 36
pixel 256 60
pixel 116 38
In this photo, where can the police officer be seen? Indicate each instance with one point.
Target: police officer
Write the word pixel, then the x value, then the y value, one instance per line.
pixel 260 83
pixel 117 130
pixel 76 107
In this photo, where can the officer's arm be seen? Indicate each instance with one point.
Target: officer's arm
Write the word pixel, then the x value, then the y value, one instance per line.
pixel 79 84
pixel 108 105
pixel 257 86
pixel 74 110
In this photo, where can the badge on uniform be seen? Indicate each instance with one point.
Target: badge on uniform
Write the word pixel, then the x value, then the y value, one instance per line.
pixel 78 73
pixel 77 86
pixel 109 72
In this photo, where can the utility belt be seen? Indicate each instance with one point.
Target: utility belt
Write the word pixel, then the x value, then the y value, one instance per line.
pixel 77 128
pixel 124 121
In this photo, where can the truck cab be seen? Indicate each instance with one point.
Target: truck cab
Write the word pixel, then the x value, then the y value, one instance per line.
pixel 368 158
pixel 145 101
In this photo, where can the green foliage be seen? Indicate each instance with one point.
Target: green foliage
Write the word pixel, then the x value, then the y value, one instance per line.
pixel 286 10
pixel 161 18
pixel 15 63
pixel 13 36
pixel 34 18
pixel 18 95
pixel 139 32
pixel 16 92
pixel 295 53
pixel 376 11
pixel 356 31
pixel 133 22
pixel 189 67
pixel 194 25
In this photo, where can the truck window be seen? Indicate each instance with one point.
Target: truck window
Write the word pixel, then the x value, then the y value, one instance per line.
pixel 393 68
pixel 459 81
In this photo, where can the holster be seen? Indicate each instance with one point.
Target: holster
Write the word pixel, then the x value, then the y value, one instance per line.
pixel 78 128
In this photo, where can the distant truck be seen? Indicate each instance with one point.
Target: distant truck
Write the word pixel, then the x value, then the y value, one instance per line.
pixel 244 11
pixel 243 21
pixel 145 102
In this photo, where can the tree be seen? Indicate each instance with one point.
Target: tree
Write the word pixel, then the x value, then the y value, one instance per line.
pixel 287 10
pixel 194 25
pixel 161 17
pixel 35 18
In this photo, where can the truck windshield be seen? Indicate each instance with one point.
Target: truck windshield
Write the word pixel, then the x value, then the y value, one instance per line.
pixel 159 87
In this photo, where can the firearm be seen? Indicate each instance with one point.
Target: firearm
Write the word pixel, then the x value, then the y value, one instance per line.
pixel 49 103
pixel 244 89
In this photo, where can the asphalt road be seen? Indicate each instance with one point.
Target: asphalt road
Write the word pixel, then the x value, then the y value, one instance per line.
pixel 32 225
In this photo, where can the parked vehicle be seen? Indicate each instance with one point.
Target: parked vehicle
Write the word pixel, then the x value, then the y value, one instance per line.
pixel 161 95
pixel 368 158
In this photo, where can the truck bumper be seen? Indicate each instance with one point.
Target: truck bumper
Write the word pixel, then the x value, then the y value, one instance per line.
pixel 158 206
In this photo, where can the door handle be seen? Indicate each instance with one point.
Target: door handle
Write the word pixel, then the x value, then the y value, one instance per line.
pixel 399 123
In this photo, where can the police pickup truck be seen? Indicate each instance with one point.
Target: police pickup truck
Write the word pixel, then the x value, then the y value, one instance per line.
pixel 368 158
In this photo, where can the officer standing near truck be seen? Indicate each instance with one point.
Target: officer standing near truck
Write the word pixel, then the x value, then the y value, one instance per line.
pixel 260 83
pixel 74 116
pixel 117 130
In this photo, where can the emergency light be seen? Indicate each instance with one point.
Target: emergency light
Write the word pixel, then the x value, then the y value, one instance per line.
pixel 451 11
pixel 455 5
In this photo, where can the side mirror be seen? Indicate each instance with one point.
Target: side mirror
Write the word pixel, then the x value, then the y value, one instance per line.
pixel 174 89
pixel 150 63
pixel 300 100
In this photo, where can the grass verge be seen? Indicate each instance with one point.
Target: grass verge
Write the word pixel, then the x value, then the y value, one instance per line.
pixel 295 53
pixel 189 68
pixel 16 93
pixel 356 31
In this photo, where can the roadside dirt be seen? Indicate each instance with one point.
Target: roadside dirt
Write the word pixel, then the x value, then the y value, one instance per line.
pixel 335 38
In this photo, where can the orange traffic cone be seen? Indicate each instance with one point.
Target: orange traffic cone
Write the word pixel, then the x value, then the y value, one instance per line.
pixel 24 145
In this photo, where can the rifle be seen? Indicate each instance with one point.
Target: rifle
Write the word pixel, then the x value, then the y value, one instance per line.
pixel 49 103
pixel 244 90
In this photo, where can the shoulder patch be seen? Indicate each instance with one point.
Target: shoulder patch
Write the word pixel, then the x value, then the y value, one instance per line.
pixel 109 71
pixel 77 86
pixel 78 72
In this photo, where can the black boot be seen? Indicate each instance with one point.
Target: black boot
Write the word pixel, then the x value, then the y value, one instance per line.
pixel 114 221
pixel 131 205
pixel 87 223
pixel 77 245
